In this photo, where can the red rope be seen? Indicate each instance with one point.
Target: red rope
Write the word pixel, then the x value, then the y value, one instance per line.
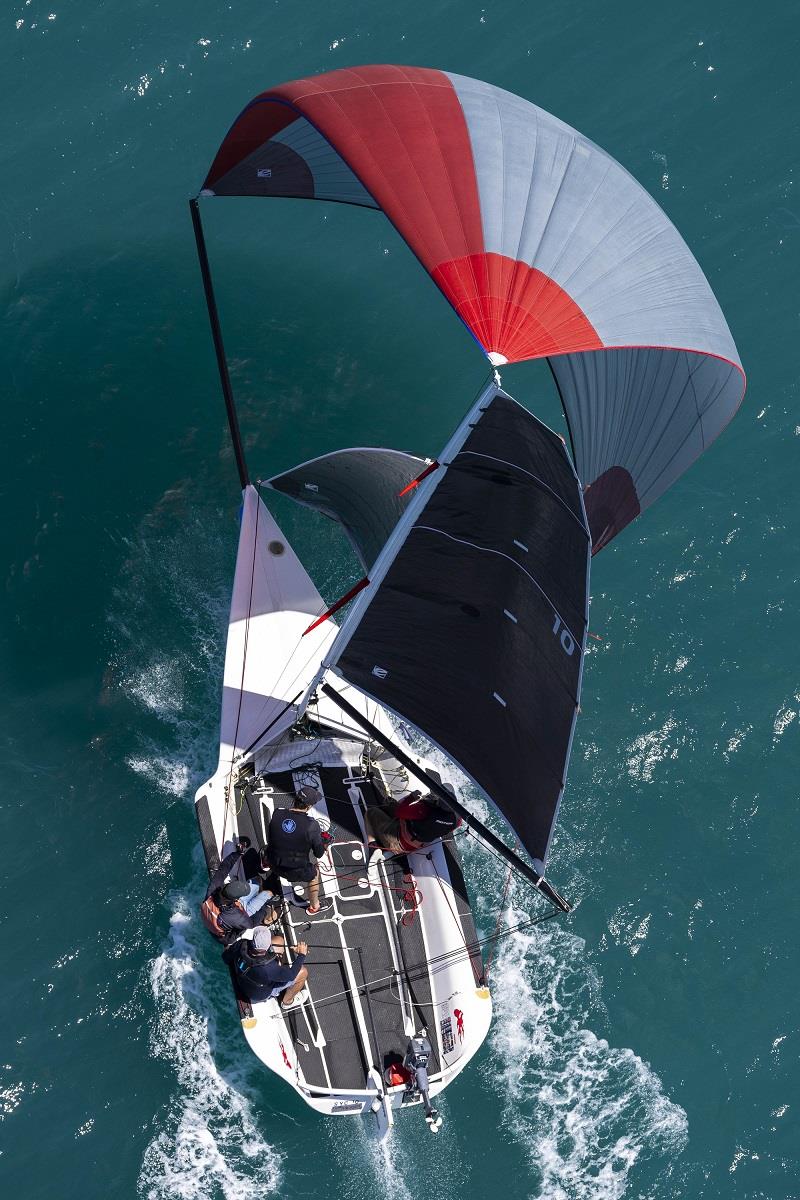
pixel 412 894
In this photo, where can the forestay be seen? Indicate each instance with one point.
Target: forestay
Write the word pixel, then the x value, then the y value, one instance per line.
pixel 475 632
pixel 364 489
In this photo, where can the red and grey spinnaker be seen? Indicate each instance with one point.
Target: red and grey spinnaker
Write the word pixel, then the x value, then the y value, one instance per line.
pixel 542 243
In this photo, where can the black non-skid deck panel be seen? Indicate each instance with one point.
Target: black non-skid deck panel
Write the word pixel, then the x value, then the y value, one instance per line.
pixel 244 821
pixel 413 961
pixel 329 982
pixel 309 1057
pixel 349 871
pixel 344 821
pixel 256 812
pixel 207 836
pixel 283 791
pixel 333 1006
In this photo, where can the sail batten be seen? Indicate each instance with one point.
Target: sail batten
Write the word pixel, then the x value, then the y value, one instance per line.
pixel 474 628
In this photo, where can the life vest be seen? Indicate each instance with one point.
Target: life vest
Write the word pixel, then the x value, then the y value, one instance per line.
pixel 422 823
pixel 210 912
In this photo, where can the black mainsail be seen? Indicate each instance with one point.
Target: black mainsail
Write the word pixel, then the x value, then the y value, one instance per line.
pixel 474 627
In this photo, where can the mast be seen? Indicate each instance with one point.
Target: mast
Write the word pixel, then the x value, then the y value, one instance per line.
pixel 216 333
pixel 538 881
pixel 384 560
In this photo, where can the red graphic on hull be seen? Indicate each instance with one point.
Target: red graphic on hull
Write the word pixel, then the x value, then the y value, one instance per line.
pixel 285 1055
pixel 459 1016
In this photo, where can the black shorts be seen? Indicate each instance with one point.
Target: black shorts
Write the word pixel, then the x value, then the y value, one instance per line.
pixel 298 874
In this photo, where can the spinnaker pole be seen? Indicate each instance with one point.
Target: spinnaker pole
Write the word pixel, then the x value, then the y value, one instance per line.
pixel 538 881
pixel 216 333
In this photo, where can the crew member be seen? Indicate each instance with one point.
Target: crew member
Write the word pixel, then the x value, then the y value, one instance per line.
pixel 295 842
pixel 410 823
pixel 260 972
pixel 231 907
pixel 245 863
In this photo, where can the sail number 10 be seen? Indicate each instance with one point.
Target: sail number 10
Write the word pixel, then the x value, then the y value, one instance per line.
pixel 566 638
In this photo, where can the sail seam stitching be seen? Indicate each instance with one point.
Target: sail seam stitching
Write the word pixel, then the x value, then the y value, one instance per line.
pixel 541 482
pixel 502 554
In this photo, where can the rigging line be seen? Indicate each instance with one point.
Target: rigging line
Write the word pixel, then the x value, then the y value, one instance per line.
pixel 448 957
pixel 419 970
pixel 486 849
pixel 244 660
pixel 274 721
pixel 292 682
pixel 450 799
pixel 314 652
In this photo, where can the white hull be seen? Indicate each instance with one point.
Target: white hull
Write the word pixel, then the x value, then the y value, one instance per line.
pixel 334 1049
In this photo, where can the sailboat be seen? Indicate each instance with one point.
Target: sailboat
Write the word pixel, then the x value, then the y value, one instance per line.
pixel 465 638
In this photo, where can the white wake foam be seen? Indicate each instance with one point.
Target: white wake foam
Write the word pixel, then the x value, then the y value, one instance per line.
pixel 585 1112
pixel 168 633
pixel 209 1143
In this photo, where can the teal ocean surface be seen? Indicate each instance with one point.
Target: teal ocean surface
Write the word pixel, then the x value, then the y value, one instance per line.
pixel 644 1047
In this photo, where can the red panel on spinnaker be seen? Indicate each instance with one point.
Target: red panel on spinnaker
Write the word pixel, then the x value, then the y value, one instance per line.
pixel 542 243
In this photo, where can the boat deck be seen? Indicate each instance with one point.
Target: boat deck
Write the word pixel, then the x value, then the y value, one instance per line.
pixel 369 982
pixel 359 944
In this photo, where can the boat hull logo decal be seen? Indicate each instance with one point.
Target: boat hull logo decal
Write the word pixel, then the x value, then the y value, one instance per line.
pixel 446 1029
pixel 459 1016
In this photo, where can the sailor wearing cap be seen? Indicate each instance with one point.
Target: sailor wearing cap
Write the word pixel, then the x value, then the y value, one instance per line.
pixel 260 972
pixel 295 842
pixel 225 910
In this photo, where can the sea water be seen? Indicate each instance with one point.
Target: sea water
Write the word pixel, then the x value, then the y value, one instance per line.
pixel 647 1045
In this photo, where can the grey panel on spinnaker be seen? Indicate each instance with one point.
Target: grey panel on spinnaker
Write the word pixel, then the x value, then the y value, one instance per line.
pixel 628 449
pixel 360 488
pixel 551 198
pixel 476 632
pixel 544 245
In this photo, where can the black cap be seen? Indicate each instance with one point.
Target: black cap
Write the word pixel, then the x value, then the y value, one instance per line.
pixel 306 796
pixel 235 890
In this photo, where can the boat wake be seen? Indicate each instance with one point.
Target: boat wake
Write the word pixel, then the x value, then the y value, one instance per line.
pixel 584 1111
pixel 585 1115
pixel 405 1165
pixel 207 1139
pixel 209 1142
